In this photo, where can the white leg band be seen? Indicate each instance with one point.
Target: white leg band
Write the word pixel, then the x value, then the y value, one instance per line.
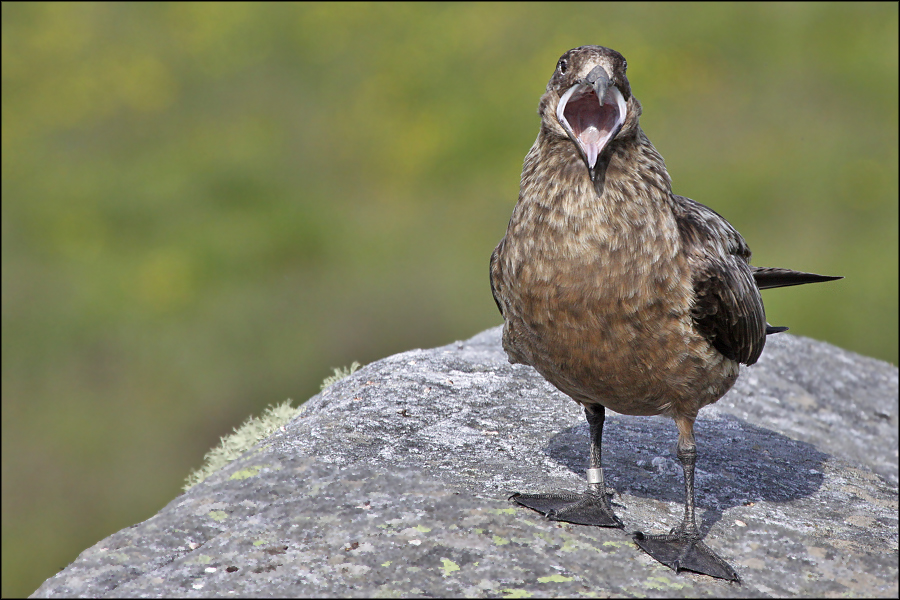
pixel 594 475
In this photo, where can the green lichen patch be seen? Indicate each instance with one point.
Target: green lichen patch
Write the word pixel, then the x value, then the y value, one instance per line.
pixel 340 373
pixel 449 566
pixel 663 583
pixel 244 437
pixel 252 431
pixel 246 473
pixel 554 579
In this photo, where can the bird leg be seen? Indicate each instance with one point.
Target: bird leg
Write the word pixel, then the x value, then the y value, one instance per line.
pixel 682 548
pixel 589 508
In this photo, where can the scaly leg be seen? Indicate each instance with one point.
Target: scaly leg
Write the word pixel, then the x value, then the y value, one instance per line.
pixel 682 548
pixel 590 508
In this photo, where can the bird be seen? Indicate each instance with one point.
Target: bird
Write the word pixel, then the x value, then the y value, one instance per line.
pixel 622 294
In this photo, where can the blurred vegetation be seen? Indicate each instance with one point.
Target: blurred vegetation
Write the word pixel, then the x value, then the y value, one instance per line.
pixel 207 207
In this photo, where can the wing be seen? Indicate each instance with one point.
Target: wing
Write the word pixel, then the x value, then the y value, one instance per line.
pixel 495 277
pixel 728 308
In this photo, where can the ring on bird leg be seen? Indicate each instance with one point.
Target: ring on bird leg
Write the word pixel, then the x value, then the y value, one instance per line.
pixel 594 475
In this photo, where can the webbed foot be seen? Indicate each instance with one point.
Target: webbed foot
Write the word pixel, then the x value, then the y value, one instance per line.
pixel 681 551
pixel 580 509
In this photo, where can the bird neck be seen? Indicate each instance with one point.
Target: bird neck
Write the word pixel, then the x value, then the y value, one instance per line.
pixel 632 185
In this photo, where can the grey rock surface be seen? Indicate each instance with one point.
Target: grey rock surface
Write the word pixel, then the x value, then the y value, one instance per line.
pixel 394 482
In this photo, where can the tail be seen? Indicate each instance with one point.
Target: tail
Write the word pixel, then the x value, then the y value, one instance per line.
pixel 770 277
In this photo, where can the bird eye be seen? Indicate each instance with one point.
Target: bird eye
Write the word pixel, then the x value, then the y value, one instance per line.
pixel 562 65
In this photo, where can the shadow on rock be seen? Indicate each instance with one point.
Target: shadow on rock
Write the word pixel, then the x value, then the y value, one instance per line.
pixel 737 462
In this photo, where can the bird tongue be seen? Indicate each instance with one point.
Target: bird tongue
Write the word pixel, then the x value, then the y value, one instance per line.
pixel 590 140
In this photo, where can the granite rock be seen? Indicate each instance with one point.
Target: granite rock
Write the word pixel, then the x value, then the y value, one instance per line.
pixel 394 482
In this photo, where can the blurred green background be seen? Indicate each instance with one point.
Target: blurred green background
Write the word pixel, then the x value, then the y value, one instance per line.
pixel 206 207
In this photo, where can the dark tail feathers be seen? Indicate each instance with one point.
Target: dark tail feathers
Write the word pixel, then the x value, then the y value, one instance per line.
pixel 771 277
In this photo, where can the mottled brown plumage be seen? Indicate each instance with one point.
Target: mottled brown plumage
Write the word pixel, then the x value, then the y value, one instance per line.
pixel 620 293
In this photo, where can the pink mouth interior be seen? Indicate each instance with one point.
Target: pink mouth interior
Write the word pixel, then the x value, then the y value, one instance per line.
pixel 591 122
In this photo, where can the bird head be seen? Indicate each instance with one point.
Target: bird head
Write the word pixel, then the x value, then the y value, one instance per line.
pixel 589 101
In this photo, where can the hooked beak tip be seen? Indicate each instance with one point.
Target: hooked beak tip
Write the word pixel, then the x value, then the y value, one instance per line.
pixel 599 81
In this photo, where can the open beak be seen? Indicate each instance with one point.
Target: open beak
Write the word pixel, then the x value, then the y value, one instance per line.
pixel 592 112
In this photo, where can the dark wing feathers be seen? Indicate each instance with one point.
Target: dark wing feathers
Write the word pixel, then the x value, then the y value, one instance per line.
pixel 495 278
pixel 728 308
